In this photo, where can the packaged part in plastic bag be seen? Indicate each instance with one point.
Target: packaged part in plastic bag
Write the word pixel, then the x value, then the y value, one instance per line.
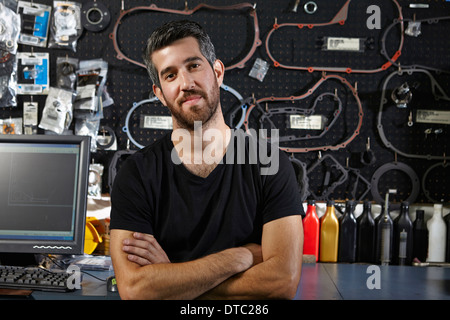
pixel 66 69
pixel 9 29
pixel 95 180
pixel 8 79
pixel 11 126
pixel 65 26
pixel 86 127
pixel 91 80
pixel 57 114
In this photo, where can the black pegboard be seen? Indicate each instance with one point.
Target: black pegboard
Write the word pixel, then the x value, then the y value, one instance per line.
pixel 232 33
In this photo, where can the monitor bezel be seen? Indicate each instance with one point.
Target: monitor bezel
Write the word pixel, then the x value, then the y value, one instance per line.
pixel 75 246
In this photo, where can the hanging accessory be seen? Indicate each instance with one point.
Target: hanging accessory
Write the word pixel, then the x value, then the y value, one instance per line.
pixel 310 7
pixel 336 168
pixel 436 90
pixel 441 165
pixel 323 79
pixel 339 20
pixel 395 166
pixel 242 6
pixel 402 95
pixel 95 16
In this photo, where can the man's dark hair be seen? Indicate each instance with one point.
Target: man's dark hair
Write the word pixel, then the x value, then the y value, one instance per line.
pixel 171 32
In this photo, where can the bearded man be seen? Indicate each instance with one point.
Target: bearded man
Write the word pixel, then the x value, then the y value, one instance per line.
pixel 196 228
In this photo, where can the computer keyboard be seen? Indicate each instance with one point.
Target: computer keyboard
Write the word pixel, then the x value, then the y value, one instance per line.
pixel 33 278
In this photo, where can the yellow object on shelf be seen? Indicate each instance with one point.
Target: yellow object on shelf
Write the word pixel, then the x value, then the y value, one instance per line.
pixel 91 236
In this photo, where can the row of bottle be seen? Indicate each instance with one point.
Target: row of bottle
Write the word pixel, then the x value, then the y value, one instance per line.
pixel 381 240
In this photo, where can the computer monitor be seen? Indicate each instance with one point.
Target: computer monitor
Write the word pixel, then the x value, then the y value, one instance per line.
pixel 43 193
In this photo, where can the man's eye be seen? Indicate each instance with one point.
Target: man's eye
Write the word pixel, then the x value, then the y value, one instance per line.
pixel 170 76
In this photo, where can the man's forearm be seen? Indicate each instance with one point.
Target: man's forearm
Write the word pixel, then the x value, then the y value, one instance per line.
pixel 263 281
pixel 186 280
pixel 276 272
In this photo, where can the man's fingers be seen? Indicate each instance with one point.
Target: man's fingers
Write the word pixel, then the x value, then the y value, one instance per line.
pixel 145 246
pixel 140 261
pixel 158 253
pixel 138 252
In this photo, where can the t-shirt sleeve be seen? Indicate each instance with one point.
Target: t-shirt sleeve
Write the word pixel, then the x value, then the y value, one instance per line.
pixel 130 205
pixel 281 191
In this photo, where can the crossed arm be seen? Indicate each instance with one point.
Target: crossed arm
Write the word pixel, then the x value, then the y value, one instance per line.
pixel 272 270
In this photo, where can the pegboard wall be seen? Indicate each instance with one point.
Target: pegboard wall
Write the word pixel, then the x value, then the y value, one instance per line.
pixel 368 144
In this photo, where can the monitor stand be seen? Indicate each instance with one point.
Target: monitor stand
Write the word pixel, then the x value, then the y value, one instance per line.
pixel 18 259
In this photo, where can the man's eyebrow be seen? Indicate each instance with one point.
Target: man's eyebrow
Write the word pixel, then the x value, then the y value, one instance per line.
pixel 190 59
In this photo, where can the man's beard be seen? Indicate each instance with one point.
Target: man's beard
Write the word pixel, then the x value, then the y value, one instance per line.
pixel 195 113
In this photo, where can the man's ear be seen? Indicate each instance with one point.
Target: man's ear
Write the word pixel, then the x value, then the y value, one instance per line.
pixel 158 93
pixel 219 70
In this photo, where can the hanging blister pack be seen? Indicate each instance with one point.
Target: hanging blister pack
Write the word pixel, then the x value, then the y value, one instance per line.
pixel 57 114
pixel 33 73
pixel 35 22
pixel 30 117
pixel 65 27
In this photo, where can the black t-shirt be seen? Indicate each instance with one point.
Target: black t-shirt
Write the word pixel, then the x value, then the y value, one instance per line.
pixel 191 216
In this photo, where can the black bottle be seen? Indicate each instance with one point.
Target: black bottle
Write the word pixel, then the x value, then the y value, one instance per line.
pixel 347 234
pixel 403 237
pixel 385 233
pixel 365 245
pixel 420 237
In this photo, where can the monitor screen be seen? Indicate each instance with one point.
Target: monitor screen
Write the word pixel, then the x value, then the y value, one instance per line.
pixel 43 193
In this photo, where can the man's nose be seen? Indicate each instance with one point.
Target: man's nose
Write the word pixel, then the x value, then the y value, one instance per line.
pixel 187 81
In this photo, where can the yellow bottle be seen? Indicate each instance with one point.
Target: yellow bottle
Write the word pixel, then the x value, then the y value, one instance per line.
pixel 329 235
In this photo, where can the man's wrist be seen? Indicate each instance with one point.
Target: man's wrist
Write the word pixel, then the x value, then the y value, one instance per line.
pixel 243 258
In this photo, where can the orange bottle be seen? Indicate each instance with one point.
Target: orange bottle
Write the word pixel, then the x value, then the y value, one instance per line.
pixel 329 235
pixel 311 227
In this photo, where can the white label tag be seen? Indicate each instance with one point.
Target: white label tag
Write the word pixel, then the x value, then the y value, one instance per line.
pixel 314 122
pixel 157 122
pixel 433 116
pixel 343 44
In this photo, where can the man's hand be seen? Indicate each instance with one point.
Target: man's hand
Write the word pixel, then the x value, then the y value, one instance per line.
pixel 143 270
pixel 143 249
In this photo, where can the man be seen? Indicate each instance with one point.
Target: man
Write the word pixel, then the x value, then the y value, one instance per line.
pixel 192 224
